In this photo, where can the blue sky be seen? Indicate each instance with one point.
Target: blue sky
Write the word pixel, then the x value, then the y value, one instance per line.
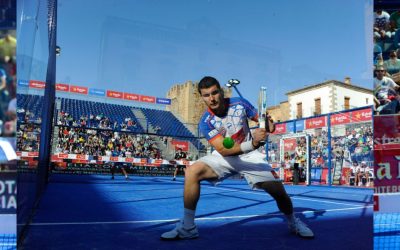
pixel 146 46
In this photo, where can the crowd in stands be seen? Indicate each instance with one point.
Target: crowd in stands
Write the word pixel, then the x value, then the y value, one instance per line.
pixel 355 146
pixel 386 61
pixel 8 101
pixel 96 121
pixel 28 137
pixel 94 142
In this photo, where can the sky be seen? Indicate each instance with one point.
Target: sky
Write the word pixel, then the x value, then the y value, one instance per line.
pixel 147 46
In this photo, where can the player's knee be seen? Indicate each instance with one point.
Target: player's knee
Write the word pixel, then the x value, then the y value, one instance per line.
pixel 197 172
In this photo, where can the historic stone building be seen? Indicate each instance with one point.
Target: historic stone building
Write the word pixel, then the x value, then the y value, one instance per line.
pixel 186 102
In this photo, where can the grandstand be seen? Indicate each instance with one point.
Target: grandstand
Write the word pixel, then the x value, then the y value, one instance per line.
pixel 8 14
pixel 144 120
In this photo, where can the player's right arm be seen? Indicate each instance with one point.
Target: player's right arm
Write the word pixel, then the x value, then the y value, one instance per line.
pixel 216 140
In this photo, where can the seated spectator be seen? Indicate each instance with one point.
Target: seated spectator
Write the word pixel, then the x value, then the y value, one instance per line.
pixel 392 65
pixel 385 91
pixel 381 24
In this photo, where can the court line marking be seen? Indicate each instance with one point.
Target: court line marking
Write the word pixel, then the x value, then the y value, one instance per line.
pixel 197 219
pixel 292 197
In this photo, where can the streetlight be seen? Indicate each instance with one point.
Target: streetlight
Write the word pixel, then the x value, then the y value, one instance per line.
pixel 233 83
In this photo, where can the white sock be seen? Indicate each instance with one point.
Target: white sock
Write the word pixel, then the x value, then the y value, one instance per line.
pixel 188 218
pixel 290 218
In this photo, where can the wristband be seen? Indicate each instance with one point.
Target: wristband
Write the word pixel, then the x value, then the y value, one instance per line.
pixel 247 146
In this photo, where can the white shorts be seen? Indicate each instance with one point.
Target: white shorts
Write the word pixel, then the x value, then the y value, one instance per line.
pixel 253 166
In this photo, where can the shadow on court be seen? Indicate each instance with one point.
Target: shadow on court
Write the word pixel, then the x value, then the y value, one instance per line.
pixel 105 214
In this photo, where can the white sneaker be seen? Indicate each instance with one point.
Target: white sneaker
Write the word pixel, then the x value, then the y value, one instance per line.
pixel 181 233
pixel 300 228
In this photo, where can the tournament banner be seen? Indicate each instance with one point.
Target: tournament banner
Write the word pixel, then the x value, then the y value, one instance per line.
pixel 62 87
pixel 164 101
pixel 115 94
pixel 79 90
pixel 23 83
pixel 131 97
pixel 362 115
pixel 338 119
pixel 184 145
pixel 387 154
pixel 149 99
pixel 280 128
pixel 37 84
pixel 97 92
pixel 8 193
pixel 318 122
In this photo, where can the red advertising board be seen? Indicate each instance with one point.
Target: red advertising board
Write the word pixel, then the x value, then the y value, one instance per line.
pixel 280 128
pixel 361 115
pixel 114 158
pixel 342 118
pixel 115 94
pixel 387 154
pixel 131 97
pixel 81 157
pixel 79 90
pixel 150 99
pixel 62 87
pixel 184 145
pixel 317 122
pixel 37 84
pixel 289 144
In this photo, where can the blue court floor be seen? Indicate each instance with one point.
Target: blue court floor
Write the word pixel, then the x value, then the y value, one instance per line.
pixel 95 212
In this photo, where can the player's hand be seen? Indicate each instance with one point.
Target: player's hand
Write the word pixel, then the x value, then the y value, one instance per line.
pixel 259 136
pixel 269 124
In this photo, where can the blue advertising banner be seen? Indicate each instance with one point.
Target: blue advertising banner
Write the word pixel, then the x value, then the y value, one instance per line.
pixel 23 83
pixel 164 101
pixel 290 127
pixel 300 125
pixel 97 92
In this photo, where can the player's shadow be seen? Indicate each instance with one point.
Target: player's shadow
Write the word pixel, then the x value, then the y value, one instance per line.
pixel 299 212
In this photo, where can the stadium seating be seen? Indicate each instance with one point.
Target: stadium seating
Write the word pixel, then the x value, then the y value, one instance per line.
pixel 167 123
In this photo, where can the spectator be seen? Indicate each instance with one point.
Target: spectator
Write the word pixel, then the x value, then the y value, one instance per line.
pixel 385 91
pixel 392 65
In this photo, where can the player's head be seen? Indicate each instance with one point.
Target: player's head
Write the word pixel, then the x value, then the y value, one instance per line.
pixel 211 92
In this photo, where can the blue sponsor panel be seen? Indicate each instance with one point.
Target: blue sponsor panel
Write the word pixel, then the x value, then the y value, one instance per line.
pixel 97 92
pixel 299 125
pixel 23 83
pixel 164 101
pixel 316 174
pixel 290 127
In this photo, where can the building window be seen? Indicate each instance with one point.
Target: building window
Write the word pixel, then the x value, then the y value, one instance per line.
pixel 299 110
pixel 346 102
pixel 317 106
pixel 366 100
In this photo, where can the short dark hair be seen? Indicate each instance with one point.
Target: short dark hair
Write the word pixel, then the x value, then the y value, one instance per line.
pixel 207 82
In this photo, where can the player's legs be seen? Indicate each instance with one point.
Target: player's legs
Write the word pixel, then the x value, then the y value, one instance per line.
pixel 186 229
pixel 175 172
pixel 193 175
pixel 112 169
pixel 278 192
pixel 124 173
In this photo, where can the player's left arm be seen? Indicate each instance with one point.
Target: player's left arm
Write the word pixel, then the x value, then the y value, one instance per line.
pixel 237 149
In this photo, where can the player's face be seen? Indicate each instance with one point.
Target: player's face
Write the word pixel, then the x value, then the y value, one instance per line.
pixel 213 98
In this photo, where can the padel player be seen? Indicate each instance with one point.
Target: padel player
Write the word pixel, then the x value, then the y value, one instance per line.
pixel 228 117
